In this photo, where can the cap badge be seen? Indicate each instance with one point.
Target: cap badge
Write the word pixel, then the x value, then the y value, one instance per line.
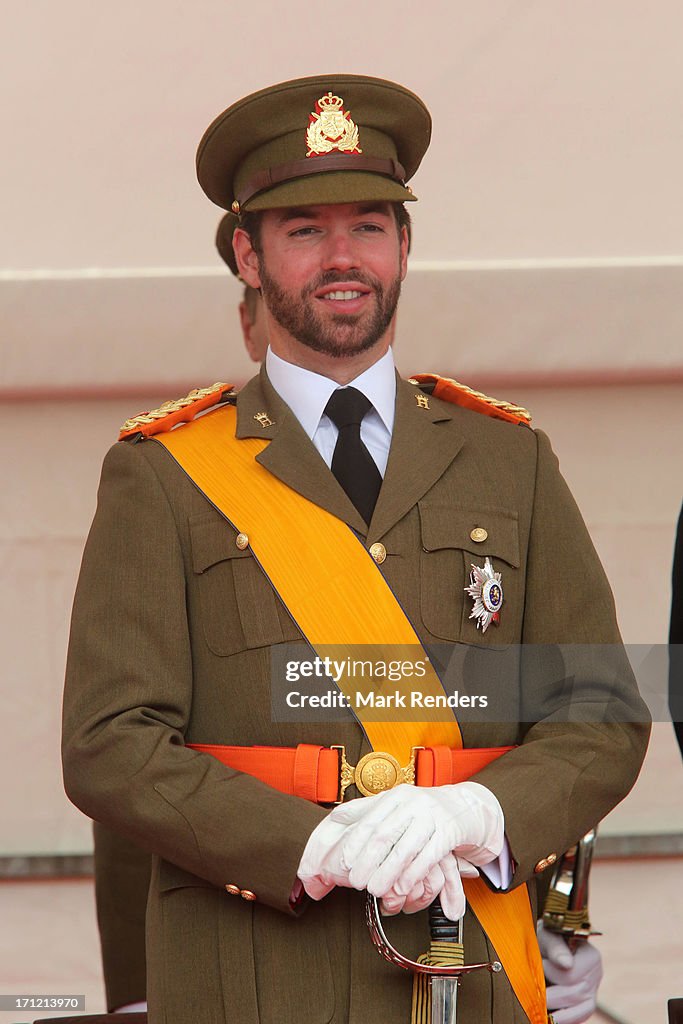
pixel 486 590
pixel 330 127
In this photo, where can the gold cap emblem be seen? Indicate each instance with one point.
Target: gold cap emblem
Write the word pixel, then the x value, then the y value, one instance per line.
pixel 330 127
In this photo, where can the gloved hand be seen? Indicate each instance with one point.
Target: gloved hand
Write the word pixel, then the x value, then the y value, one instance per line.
pixel 572 978
pixel 399 836
pixel 322 865
pixel 444 881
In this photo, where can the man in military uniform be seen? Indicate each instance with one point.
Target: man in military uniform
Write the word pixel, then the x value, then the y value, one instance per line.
pixel 256 905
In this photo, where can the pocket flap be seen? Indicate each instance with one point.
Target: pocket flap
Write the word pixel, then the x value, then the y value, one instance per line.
pixel 173 877
pixel 443 526
pixel 213 541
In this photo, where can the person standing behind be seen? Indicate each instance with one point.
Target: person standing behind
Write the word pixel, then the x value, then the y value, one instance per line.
pixel 676 636
pixel 122 869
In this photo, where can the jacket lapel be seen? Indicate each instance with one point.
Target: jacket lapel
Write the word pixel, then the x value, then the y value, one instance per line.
pixel 424 443
pixel 291 456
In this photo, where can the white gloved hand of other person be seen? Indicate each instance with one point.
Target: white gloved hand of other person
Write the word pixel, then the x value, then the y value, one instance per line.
pixel 572 978
pixel 395 839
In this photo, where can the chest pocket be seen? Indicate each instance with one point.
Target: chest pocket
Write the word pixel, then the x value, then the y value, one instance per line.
pixel 448 553
pixel 239 608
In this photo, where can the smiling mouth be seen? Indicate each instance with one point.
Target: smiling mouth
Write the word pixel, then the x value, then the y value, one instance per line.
pixel 345 296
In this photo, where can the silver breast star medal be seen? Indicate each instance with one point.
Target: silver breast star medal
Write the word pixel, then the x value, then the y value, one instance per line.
pixel 486 590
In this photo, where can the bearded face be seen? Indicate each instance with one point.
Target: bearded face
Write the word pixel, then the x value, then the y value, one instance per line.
pixel 334 331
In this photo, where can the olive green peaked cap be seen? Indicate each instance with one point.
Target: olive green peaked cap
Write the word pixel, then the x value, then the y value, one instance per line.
pixel 325 139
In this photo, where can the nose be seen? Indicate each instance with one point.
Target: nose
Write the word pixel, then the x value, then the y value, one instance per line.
pixel 340 251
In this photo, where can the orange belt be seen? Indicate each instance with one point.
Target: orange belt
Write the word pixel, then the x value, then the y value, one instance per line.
pixel 315 773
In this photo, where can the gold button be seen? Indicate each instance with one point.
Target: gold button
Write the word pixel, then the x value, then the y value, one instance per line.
pixel 232 890
pixel 542 865
pixel 242 541
pixel 235 207
pixel 479 534
pixel 551 858
pixel 247 894
pixel 378 552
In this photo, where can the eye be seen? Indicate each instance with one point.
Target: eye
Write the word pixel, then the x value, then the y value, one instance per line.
pixel 303 232
pixel 370 228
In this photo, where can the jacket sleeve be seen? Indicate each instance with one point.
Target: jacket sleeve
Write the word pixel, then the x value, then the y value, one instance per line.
pixel 127 702
pixel 587 727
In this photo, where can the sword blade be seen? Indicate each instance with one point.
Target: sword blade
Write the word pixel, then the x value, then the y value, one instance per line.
pixel 444 1000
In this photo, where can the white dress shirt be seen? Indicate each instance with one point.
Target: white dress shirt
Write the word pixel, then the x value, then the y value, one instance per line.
pixel 307 393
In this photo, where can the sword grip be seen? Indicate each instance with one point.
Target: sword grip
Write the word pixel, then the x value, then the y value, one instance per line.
pixel 441 928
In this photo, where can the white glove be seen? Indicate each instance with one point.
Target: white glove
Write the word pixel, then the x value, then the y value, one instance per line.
pixel 322 865
pixel 442 881
pixel 402 834
pixel 573 978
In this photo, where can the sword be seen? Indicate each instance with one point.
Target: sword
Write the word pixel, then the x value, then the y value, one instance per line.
pixel 566 905
pixel 444 988
pixel 444 979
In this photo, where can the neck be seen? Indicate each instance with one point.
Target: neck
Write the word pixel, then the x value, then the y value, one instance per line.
pixel 342 370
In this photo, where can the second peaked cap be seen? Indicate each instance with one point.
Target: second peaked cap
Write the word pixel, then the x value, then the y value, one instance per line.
pixel 324 139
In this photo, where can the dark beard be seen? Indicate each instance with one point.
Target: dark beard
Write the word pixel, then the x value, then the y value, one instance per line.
pixel 344 336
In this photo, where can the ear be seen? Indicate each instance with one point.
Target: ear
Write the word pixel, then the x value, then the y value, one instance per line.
pixel 246 258
pixel 403 253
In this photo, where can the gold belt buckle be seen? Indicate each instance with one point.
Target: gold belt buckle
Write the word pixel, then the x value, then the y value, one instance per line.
pixel 374 773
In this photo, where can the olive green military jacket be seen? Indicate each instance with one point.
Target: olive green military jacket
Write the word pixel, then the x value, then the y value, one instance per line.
pixel 122 874
pixel 172 630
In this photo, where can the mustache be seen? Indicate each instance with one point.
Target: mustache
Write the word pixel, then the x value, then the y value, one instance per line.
pixel 337 277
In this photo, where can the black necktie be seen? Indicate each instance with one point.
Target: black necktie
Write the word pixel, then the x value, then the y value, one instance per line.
pixel 352 464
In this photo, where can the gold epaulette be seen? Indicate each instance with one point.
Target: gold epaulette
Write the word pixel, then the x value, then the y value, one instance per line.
pixel 459 394
pixel 181 410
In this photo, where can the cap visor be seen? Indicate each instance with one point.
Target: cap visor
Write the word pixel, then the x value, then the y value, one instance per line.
pixel 330 188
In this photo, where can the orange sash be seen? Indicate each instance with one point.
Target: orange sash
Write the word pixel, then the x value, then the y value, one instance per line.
pixel 317 566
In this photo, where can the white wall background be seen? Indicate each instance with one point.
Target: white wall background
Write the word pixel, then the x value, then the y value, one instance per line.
pixel 547 261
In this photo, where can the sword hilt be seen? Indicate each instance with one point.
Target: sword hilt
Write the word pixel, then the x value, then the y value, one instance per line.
pixel 566 905
pixel 441 928
pixel 385 949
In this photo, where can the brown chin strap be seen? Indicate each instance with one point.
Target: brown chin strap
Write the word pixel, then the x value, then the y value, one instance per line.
pixel 271 176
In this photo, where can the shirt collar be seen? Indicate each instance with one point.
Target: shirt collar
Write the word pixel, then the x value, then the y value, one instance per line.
pixel 307 393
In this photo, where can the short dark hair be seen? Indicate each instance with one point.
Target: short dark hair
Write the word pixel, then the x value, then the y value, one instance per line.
pixel 250 221
pixel 403 220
